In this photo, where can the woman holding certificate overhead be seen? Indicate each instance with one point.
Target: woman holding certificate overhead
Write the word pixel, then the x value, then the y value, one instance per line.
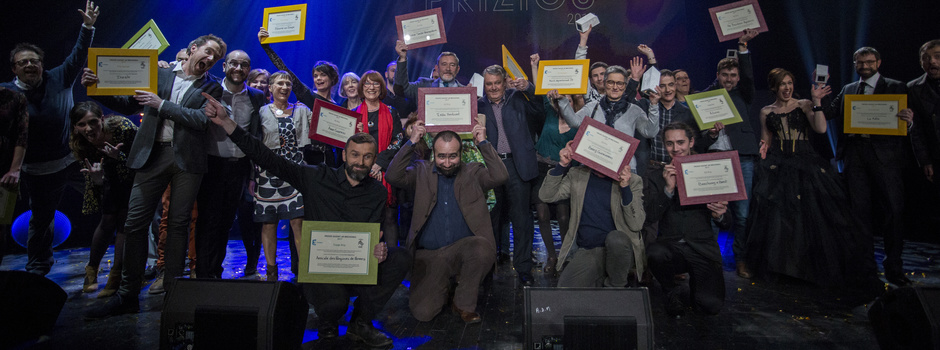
pixel 800 223
pixel 614 109
pixel 285 131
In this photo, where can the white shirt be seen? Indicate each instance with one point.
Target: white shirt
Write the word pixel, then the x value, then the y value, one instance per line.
pixel 871 81
pixel 240 111
pixel 181 84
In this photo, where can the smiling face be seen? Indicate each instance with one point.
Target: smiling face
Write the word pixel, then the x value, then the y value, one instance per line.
pixel 677 143
pixel 683 82
pixel 615 84
pixel 90 128
pixel 728 78
pixel 447 156
pixel 280 88
pixel 351 87
pixel 202 58
pixel 359 158
pixel 322 81
pixel 447 67
pixel 667 88
pixel 27 65
pixel 372 88
pixel 866 65
pixel 494 86
pixel 237 66
pixel 260 82
pixel 597 78
pixel 784 90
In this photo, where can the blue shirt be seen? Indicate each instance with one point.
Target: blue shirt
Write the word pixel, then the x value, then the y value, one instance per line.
pixel 597 218
pixel 445 224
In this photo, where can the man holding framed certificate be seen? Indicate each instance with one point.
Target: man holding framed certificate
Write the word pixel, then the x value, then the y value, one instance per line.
pixel 873 166
pixel 343 195
pixel 447 67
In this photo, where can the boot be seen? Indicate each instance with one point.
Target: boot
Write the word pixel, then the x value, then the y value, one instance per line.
pixel 91 280
pixel 272 273
pixel 111 287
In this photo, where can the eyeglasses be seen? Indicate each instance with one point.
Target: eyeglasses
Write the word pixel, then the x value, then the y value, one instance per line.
pixel 619 84
pixel 865 63
pixel 237 64
pixel 26 61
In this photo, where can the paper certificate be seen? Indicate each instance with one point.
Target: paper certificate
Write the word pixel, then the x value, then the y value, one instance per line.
pixel 568 76
pixel 713 106
pixel 511 66
pixel 421 29
pixel 710 177
pixel 453 109
pixel 121 71
pixel 875 114
pixel 603 148
pixel 148 38
pixel 339 252
pixel 332 124
pixel 285 23
pixel 731 20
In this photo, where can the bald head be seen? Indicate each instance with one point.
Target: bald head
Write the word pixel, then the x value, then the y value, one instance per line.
pixel 237 66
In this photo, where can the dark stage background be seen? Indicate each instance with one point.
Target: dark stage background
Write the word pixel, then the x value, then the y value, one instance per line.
pixel 359 35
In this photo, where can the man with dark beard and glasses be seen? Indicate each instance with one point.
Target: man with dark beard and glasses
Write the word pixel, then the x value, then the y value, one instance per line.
pixel 451 234
pixel 344 194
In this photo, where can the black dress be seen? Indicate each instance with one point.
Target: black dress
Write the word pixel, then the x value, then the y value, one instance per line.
pixel 801 224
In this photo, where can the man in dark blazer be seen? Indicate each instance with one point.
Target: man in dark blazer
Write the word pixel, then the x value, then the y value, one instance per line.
pixel 508 115
pixel 229 169
pixel 447 67
pixel 686 242
pixel 873 169
pixel 170 148
pixel 451 234
pixel 924 94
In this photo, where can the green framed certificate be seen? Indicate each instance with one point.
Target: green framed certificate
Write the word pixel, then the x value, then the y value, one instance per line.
pixel 121 71
pixel 338 252
pixel 148 38
pixel 874 114
pixel 713 106
pixel 285 23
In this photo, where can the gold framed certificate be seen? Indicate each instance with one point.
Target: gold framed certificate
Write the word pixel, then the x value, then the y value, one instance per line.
pixel 121 71
pixel 148 38
pixel 603 148
pixel 874 114
pixel 338 252
pixel 453 108
pixel 568 76
pixel 285 23
pixel 332 124
pixel 713 106
pixel 732 19
pixel 422 28
pixel 512 67
pixel 709 177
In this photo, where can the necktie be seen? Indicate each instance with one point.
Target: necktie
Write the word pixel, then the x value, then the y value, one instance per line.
pixel 861 88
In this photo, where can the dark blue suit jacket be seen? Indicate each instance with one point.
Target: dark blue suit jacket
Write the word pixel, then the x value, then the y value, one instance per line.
pixel 520 107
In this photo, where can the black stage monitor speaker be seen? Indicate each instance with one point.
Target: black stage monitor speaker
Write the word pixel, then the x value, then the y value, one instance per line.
pixel 29 307
pixel 613 318
pixel 907 318
pixel 233 314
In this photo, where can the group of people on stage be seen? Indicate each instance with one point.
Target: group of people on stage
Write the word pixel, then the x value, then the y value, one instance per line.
pixel 209 140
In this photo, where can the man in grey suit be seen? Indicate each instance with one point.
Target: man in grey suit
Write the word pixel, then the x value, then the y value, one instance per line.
pixel 170 148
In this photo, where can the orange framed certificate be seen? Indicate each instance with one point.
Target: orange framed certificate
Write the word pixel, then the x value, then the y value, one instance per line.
pixel 512 67
pixel 285 23
pixel 121 71
pixel 874 114
pixel 568 76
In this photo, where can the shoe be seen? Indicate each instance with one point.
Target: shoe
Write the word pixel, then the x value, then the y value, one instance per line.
pixel 898 279
pixel 743 272
pixel 675 301
pixel 111 287
pixel 364 332
pixel 272 273
pixel 157 286
pixel 327 330
pixel 549 268
pixel 91 280
pixel 251 271
pixel 525 279
pixel 117 305
pixel 502 258
pixel 467 317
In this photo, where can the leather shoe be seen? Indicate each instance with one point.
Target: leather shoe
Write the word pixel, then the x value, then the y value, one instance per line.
pixel 675 300
pixel 327 330
pixel 468 317
pixel 525 279
pixel 157 286
pixel 743 271
pixel 364 332
pixel 898 279
pixel 116 305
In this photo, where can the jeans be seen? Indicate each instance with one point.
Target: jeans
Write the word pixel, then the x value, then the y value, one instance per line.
pixel 740 210
pixel 45 192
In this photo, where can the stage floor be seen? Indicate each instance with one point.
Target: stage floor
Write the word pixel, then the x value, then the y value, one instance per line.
pixel 758 314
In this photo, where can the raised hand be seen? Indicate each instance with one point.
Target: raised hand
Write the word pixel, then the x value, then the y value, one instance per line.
pixel 402 49
pixel 112 151
pixel 654 96
pixel 479 133
pixel 519 84
pixel 534 60
pixel 748 35
pixel 669 174
pixel 625 175
pixel 418 131
pixel 553 94
pixel 564 155
pixel 584 35
pixel 820 91
pixel 262 34
pixel 637 68
pixel 646 51
pixel 218 114
pixel 88 77
pixel 94 171
pixel 90 15
pixel 716 129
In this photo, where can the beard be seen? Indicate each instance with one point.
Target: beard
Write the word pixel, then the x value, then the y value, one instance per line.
pixel 451 171
pixel 356 173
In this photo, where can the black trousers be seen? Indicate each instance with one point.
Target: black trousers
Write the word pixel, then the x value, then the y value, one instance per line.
pixel 706 281
pixel 219 197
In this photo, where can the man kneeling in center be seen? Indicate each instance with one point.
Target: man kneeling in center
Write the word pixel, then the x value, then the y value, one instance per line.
pixel 451 234
pixel 606 218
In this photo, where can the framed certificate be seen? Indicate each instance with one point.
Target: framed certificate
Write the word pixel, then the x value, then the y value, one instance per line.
pixel 603 148
pixel 332 124
pixel 713 106
pixel 285 23
pixel 732 19
pixel 453 108
pixel 568 76
pixel 709 177
pixel 874 114
pixel 422 28
pixel 121 71
pixel 7 204
pixel 148 38
pixel 512 67
pixel 338 252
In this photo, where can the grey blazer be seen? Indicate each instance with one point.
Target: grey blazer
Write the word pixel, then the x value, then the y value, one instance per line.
pixel 190 122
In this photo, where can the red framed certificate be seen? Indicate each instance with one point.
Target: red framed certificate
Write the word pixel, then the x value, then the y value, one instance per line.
pixel 453 108
pixel 332 124
pixel 732 19
pixel 709 177
pixel 422 28
pixel 603 148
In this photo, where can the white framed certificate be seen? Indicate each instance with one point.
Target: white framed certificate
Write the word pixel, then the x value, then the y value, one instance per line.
pixel 713 106
pixel 332 124
pixel 285 23
pixel 453 108
pixel 567 76
pixel 732 19
pixel 875 114
pixel 122 71
pixel 709 177
pixel 148 38
pixel 603 148
pixel 421 29
pixel 338 252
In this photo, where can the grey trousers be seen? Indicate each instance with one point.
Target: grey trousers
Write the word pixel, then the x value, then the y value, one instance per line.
pixel 607 266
